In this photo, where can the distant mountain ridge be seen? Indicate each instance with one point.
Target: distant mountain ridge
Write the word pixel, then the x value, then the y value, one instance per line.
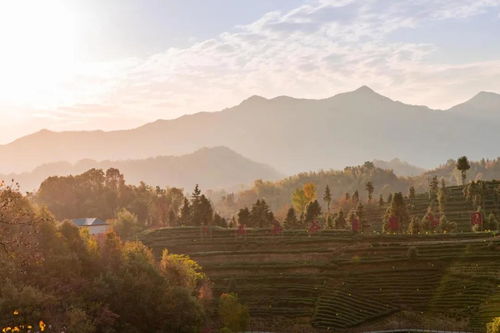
pixel 290 134
pixel 211 168
pixel 400 168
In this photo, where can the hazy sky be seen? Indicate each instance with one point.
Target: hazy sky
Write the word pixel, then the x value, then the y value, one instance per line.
pixel 87 64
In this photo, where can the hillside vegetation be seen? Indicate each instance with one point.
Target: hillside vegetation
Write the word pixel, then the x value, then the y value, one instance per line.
pixel 337 280
pixel 221 167
pixel 278 194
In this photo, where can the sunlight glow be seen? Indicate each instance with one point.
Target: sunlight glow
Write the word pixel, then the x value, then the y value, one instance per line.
pixel 37 48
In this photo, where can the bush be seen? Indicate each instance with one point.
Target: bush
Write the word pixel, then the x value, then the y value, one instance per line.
pixel 412 253
pixel 491 223
pixel 493 326
pixel 233 315
pixel 126 224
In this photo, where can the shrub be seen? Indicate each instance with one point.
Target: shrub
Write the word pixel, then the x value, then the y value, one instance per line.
pixel 233 315
pixel 492 223
pixel 493 326
pixel 412 253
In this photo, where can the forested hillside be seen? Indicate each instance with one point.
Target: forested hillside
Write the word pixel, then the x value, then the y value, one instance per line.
pixel 278 194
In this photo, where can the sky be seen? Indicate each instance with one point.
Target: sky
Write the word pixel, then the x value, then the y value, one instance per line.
pixel 93 64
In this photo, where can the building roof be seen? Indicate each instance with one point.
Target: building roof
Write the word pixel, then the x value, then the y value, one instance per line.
pixel 88 222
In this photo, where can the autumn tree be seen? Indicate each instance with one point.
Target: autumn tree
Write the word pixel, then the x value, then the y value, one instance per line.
pixel 233 315
pixel 126 224
pixel 397 211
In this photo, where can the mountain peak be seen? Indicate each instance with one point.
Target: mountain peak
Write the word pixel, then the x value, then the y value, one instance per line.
pixel 255 99
pixel 485 95
pixel 365 90
pixel 485 102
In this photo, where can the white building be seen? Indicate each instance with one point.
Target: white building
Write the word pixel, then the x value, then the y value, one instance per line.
pixel 94 225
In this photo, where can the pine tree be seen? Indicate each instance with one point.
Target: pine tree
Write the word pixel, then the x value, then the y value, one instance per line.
pixel 398 210
pixel 442 197
pixel 291 221
pixel 463 165
pixel 433 189
pixel 411 196
pixel 313 211
pixel 445 225
pixel 327 198
pixel 355 197
pixel 185 218
pixel 220 221
pixel 260 215
pixel 340 222
pixel 381 201
pixel 369 189
pixel 492 223
pixel 244 216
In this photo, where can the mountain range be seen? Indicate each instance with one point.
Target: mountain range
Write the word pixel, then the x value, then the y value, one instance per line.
pixel 289 134
pixel 211 168
pixel 400 168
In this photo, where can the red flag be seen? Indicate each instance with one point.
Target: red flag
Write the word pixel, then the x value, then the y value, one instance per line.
pixel 356 225
pixel 314 227
pixel 393 223
pixel 433 220
pixel 277 229
pixel 241 229
pixel 476 218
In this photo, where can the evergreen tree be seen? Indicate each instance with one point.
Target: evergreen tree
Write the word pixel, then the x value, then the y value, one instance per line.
pixel 291 221
pixel 369 188
pixel 196 193
pixel 219 221
pixel 260 215
pixel 340 222
pixel 411 196
pixel 492 223
pixel 355 197
pixel 433 189
pixel 428 222
pixel 360 213
pixel 202 212
pixel 442 197
pixel 313 211
pixel 185 218
pixel 327 198
pixel 463 165
pixel 445 225
pixel 414 227
pixel 399 211
pixel 244 216
pixel 381 201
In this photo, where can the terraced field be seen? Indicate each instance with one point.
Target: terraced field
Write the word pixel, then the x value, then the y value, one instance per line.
pixel 340 281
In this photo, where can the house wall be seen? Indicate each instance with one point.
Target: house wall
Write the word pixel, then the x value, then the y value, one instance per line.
pixel 97 229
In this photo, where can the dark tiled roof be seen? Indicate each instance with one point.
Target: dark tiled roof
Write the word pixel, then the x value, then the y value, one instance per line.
pixel 88 221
